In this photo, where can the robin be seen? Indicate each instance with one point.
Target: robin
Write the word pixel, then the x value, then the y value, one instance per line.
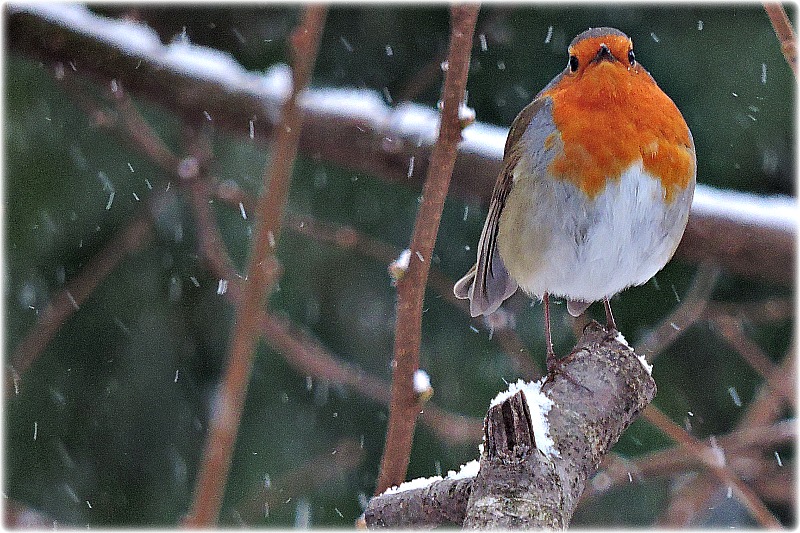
pixel 594 193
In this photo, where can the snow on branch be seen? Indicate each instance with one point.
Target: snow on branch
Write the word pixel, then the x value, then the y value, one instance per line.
pixel 748 234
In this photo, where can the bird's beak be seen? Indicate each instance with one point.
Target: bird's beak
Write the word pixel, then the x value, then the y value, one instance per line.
pixel 603 53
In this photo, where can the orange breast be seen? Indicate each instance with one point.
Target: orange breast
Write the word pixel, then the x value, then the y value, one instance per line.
pixel 611 116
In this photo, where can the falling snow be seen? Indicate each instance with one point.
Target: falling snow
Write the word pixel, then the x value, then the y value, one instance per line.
pixel 302 513
pixel 72 300
pixel 735 396
pixel 675 293
pixel 717 452
pixel 222 287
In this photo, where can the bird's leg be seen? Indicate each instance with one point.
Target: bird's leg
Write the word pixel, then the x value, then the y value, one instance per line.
pixel 551 355
pixel 610 324
pixel 554 365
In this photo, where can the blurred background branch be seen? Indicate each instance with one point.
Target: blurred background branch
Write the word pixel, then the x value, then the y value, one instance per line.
pixel 262 272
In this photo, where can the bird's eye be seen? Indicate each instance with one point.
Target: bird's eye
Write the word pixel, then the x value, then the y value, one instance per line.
pixel 631 58
pixel 573 63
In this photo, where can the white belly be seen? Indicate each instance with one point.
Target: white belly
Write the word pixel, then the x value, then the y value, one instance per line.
pixel 571 246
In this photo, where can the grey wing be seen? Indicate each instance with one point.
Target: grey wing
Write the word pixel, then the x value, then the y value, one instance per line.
pixel 488 283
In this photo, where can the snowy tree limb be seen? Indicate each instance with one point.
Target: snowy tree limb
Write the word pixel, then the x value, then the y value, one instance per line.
pixel 747 234
pixel 602 388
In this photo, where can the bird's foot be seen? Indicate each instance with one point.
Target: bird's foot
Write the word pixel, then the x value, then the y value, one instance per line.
pixel 556 366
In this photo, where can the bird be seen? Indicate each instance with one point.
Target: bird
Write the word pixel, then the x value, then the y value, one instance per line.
pixel 594 191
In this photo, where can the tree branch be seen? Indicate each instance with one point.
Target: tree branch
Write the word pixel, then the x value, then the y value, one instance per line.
pixel 679 459
pixel 411 287
pixel 784 32
pixel 68 300
pixel 715 465
pixel 735 230
pixel 517 484
pixel 261 274
pixel 309 356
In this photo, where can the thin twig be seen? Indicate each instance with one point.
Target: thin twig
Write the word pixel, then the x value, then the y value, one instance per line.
pixel 778 487
pixel 199 187
pixel 769 401
pixel 760 312
pixel 730 329
pixel 783 30
pixel 308 356
pixel 679 459
pixel 261 274
pixel 316 473
pixel 684 316
pixel 69 299
pixel 411 287
pixel 141 133
pixel 715 464
pixel 689 502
